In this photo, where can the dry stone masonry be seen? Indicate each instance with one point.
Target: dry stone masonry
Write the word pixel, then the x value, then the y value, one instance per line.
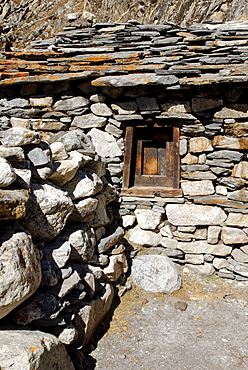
pixel 70 229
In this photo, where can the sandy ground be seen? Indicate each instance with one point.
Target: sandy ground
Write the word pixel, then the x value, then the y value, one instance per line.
pixel 147 331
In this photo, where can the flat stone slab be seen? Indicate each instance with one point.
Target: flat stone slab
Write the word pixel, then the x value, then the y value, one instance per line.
pixel 135 80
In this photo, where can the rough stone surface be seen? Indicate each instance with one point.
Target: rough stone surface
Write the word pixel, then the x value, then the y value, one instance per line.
pixel 88 121
pixel 104 143
pixel 48 211
pixel 191 214
pixel 36 350
pixel 7 174
pixel 18 136
pixel 204 187
pixel 148 219
pixel 141 237
pixel 65 170
pixel 233 235
pixel 20 270
pixel 203 247
pixel 85 183
pixel 155 273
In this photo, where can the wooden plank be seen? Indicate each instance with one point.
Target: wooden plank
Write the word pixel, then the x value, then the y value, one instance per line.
pixel 150 161
pixel 176 175
pixel 152 191
pixel 162 161
pixel 128 156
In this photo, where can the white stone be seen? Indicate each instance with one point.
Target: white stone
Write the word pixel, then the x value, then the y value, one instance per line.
pixel 49 209
pixel 240 170
pixel 166 231
pixel 46 101
pixel 7 173
pixel 141 237
pixel 200 144
pixel 195 259
pixel 237 219
pixel 190 159
pixel 58 151
pixel 68 334
pixel 203 247
pixel 128 220
pixel 183 146
pixel 101 109
pixel 31 349
pixel 104 143
pixel 88 121
pixel 20 122
pixel 221 190
pixel 117 266
pixel 239 255
pixel 169 243
pixel 233 235
pixel 83 245
pixel 205 270
pixel 65 170
pixel 18 136
pixel 83 209
pixel 71 103
pixel 148 219
pixel 23 177
pixel 155 273
pixel 213 234
pixel 20 273
pixel 219 263
pixel 193 214
pixel 176 106
pixel 192 188
pixel 85 183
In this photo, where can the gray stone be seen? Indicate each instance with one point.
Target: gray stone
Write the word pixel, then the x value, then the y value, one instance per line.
pixel 23 177
pixel 12 154
pixel 48 211
pixel 205 270
pixel 70 104
pixel 240 170
pixel 232 183
pixel 226 155
pixel 41 101
pixel 128 220
pixel 76 139
pixel 147 104
pixel 191 214
pixel 113 130
pixel 169 243
pixel 203 247
pixel 117 266
pixel 237 267
pixel 135 80
pixel 128 107
pixel 101 109
pixel 84 209
pixel 14 103
pixel 88 121
pixel 35 350
pixel 48 125
pixel 58 151
pixel 239 195
pixel 155 273
pixel 38 157
pixel 39 306
pixel 68 284
pixel 239 256
pixel 113 234
pixel 194 259
pixel 230 113
pixel 85 183
pixel 203 104
pixel 175 106
pixel 59 253
pixel 139 237
pixel 219 263
pixel 233 235
pixel 19 136
pixel 65 170
pixel 83 243
pixel 148 219
pixel 199 175
pixel 213 234
pixel 7 174
pixel 90 314
pixel 192 188
pixel 20 270
pixel 104 143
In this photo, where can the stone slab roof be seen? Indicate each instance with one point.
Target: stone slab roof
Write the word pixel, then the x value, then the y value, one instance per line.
pixel 129 54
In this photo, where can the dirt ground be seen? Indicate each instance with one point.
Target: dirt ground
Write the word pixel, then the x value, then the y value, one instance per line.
pixel 154 331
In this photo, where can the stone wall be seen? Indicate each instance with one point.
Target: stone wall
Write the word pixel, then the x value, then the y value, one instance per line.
pixel 67 230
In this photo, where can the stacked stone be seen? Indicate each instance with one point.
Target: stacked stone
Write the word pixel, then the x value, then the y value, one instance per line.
pixel 63 249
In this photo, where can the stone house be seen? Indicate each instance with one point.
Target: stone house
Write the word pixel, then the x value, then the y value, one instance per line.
pixel 140 132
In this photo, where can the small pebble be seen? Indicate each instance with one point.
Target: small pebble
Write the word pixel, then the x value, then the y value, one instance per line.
pixel 180 305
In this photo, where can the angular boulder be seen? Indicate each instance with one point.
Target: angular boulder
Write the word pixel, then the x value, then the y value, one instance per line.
pixel 20 274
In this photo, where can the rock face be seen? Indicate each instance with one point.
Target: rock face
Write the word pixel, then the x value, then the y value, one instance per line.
pixel 155 273
pixel 20 270
pixel 35 350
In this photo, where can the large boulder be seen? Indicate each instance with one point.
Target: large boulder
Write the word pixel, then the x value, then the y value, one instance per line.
pixel 48 211
pixel 20 272
pixel 155 273
pixel 32 350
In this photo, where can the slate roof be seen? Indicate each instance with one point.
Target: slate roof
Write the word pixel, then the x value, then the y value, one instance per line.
pixel 127 54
